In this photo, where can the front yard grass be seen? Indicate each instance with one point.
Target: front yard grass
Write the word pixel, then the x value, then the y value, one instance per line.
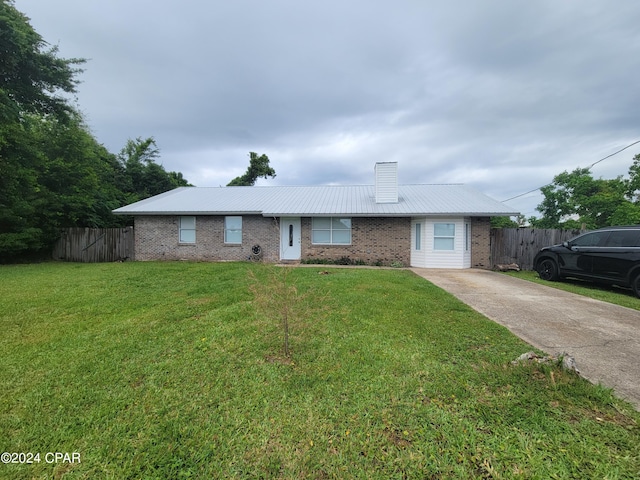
pixel 607 293
pixel 164 370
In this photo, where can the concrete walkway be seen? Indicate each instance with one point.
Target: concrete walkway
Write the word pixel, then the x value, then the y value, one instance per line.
pixel 603 338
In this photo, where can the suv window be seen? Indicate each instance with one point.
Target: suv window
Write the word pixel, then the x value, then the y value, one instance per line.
pixel 594 239
pixel 624 238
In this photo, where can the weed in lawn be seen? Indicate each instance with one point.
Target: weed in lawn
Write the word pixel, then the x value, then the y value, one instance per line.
pixel 279 301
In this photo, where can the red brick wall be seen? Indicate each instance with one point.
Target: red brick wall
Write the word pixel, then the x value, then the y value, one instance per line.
pixel 481 242
pixel 373 241
pixel 156 238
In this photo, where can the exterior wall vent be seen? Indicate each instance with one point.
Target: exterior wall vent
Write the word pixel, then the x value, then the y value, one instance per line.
pixel 386 182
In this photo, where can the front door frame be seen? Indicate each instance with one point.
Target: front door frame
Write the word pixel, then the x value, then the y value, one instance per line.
pixel 290 238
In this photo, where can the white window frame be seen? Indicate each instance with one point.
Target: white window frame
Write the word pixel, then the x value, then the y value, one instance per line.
pixel 231 230
pixel 187 230
pixel 333 233
pixel 467 236
pixel 443 242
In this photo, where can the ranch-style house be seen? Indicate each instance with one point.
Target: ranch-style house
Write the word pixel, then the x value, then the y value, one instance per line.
pixel 430 226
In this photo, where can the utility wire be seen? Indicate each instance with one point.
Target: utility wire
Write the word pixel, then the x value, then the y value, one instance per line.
pixel 589 168
pixel 614 153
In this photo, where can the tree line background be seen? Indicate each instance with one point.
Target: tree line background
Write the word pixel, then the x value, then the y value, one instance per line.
pixel 577 200
pixel 53 172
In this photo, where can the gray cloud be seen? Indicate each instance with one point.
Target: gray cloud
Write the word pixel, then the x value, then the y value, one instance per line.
pixel 497 94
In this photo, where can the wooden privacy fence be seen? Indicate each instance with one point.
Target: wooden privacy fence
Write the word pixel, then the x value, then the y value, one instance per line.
pixel 520 245
pixel 94 245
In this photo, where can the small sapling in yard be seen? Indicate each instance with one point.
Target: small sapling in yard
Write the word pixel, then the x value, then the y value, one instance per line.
pixel 278 300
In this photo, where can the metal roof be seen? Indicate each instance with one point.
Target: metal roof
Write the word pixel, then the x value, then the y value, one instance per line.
pixel 327 200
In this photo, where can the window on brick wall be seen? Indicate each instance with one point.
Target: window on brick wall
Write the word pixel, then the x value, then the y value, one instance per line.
pixel 331 231
pixel 232 229
pixel 187 230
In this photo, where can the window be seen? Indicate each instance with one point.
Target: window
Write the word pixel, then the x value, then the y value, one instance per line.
pixel 595 239
pixel 623 238
pixel 443 236
pixel 418 236
pixel 331 231
pixel 232 229
pixel 187 230
pixel 467 237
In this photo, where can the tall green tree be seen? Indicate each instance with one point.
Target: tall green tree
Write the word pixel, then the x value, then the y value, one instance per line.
pixel 76 176
pixel 139 175
pixel 65 178
pixel 61 178
pixel 32 76
pixel 576 199
pixel 33 81
pixel 258 168
pixel 633 184
pixel 19 164
pixel 53 172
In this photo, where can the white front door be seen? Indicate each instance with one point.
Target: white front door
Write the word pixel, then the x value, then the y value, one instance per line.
pixel 290 238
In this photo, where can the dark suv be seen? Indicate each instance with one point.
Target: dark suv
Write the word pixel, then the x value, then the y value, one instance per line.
pixel 610 255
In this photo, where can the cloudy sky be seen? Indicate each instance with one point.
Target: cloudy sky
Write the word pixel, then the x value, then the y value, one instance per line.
pixel 497 94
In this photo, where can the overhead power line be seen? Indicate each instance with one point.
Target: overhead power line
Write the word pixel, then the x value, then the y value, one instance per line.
pixel 589 168
pixel 614 153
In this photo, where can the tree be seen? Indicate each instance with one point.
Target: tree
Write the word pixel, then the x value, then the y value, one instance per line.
pixel 31 75
pixel 575 199
pixel 633 184
pixel 19 161
pixel 258 167
pixel 283 307
pixel 68 173
pixel 53 172
pixel 31 79
pixel 504 222
pixel 139 176
pixel 627 213
pixel 57 176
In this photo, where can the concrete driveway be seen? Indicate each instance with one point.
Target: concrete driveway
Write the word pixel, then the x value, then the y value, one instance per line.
pixel 603 338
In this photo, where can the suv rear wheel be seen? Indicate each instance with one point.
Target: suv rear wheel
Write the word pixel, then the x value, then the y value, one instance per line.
pixel 548 270
pixel 635 285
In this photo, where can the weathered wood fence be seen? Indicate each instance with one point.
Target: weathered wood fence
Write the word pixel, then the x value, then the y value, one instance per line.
pixel 520 245
pixel 94 245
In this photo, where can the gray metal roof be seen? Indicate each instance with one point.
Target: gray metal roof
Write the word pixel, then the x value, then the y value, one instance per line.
pixel 327 200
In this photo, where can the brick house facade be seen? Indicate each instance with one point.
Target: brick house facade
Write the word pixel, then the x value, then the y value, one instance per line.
pixel 375 240
pixel 429 226
pixel 156 238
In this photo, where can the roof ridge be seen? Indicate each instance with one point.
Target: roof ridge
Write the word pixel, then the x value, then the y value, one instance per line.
pixel 319 200
pixel 350 185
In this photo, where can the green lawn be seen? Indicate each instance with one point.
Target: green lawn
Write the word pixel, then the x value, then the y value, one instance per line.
pixel 166 370
pixel 607 293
